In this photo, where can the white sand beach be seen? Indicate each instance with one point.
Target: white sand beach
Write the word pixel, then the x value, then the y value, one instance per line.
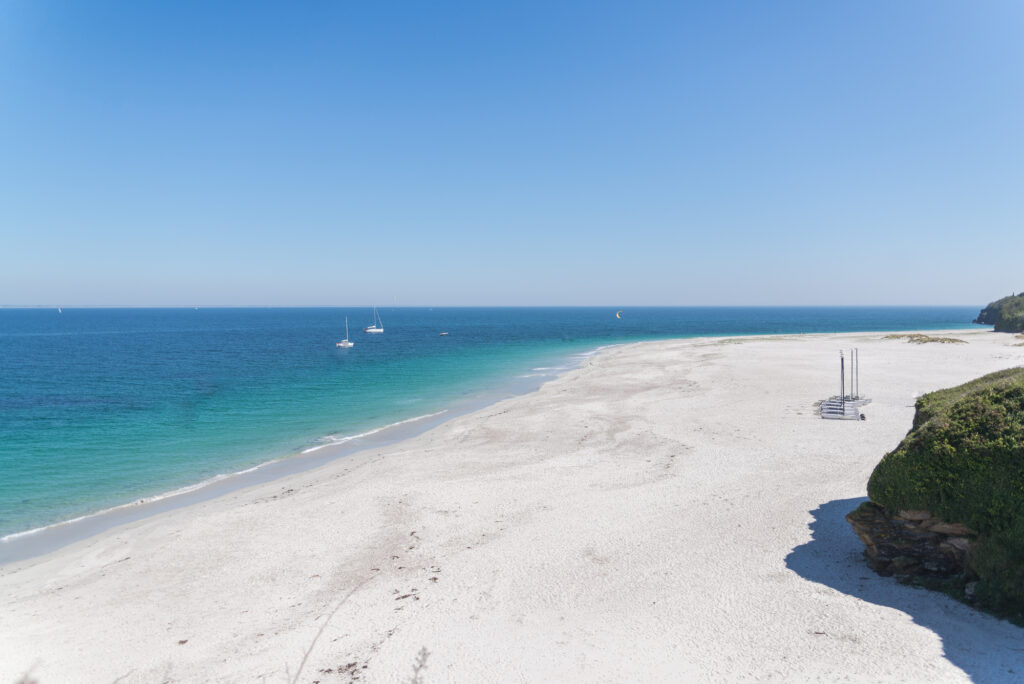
pixel 671 511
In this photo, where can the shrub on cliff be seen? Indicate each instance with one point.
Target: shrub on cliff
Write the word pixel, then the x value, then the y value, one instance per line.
pixel 1006 314
pixel 963 460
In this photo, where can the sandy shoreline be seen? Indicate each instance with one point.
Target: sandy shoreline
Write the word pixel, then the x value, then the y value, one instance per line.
pixel 27 544
pixel 669 510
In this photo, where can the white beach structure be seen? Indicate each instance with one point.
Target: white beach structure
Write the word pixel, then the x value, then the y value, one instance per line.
pixel 846 406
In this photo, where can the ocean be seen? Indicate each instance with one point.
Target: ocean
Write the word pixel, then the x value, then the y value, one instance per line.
pixel 103 407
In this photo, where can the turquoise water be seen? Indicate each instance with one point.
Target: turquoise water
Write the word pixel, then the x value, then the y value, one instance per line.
pixel 100 407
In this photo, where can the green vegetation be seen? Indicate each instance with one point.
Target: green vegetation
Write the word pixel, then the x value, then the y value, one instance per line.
pixel 918 338
pixel 1006 314
pixel 963 460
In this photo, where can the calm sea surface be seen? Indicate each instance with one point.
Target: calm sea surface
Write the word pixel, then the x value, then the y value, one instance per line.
pixel 99 407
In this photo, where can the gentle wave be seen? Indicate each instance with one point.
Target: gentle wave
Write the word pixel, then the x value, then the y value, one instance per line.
pixel 597 350
pixel 138 502
pixel 332 441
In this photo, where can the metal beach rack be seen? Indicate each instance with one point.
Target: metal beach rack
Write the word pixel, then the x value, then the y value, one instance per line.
pixel 846 406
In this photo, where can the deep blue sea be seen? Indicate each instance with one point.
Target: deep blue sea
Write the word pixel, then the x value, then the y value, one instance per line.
pixel 99 407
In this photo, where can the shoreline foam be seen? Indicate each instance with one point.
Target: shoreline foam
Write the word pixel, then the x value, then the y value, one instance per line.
pixel 220 477
pixel 27 544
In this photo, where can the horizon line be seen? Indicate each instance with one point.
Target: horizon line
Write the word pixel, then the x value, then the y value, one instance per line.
pixel 471 306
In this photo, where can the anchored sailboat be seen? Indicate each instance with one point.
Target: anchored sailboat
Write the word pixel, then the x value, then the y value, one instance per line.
pixel 377 326
pixel 345 343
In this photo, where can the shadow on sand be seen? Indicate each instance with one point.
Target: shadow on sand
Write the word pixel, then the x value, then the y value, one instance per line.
pixel 985 648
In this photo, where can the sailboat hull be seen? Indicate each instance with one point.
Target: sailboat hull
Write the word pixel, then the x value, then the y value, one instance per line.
pixel 377 326
pixel 345 343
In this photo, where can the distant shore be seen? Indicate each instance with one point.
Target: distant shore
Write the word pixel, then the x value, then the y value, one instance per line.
pixel 669 510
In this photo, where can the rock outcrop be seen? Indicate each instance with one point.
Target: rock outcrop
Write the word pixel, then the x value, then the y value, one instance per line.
pixel 912 543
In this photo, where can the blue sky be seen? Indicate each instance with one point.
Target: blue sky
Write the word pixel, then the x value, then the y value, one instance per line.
pixel 522 153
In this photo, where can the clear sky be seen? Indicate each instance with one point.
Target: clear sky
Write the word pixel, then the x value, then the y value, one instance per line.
pixel 519 153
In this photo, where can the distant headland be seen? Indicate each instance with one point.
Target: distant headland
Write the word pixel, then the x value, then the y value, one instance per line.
pixel 1006 314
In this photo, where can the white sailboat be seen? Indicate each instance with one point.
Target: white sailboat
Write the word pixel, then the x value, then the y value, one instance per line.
pixel 345 343
pixel 377 326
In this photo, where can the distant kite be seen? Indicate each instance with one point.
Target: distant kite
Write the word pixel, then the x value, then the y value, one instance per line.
pixel 618 314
